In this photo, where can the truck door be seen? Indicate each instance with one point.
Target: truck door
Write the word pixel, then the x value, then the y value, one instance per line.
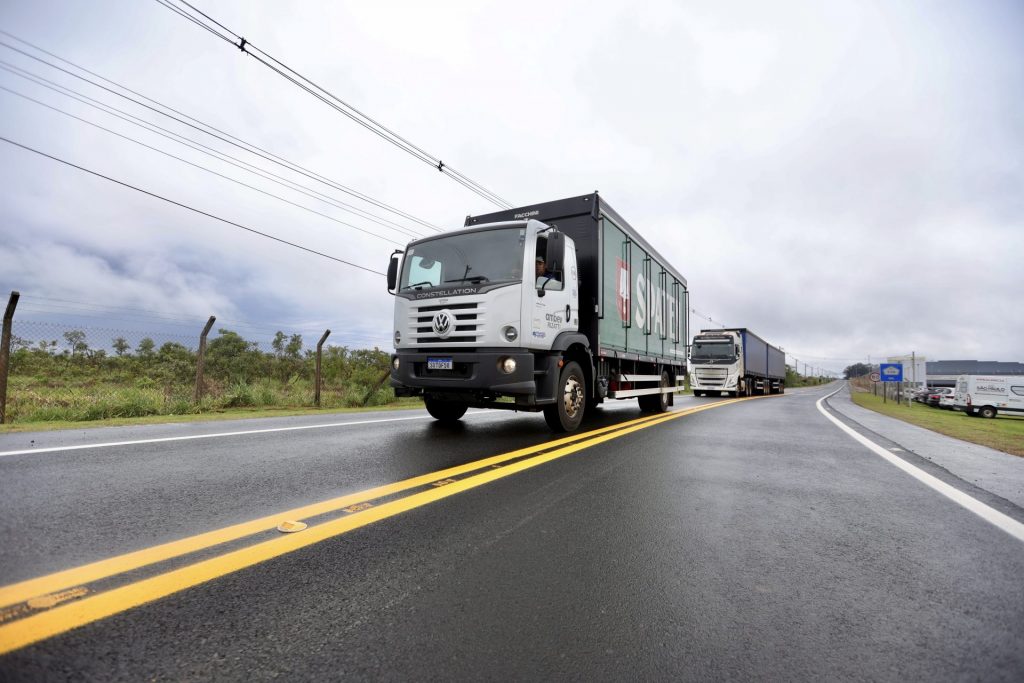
pixel 555 295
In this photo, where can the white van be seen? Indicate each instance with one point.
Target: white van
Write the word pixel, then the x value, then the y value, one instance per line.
pixel 988 395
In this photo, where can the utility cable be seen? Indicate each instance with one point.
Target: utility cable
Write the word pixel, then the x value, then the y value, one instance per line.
pixel 200 167
pixel 206 128
pixel 199 147
pixel 343 107
pixel 191 208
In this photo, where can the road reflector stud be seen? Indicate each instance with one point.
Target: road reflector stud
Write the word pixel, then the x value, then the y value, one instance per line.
pixel 53 599
pixel 290 527
pixel 357 507
pixel 443 482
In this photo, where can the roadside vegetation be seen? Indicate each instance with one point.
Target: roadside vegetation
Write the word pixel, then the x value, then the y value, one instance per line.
pixel 796 380
pixel 81 384
pixel 1004 432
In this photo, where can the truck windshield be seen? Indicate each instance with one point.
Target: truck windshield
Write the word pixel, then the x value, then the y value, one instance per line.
pixel 712 351
pixel 473 257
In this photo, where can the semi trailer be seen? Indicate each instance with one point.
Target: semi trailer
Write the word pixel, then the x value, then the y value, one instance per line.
pixel 553 308
pixel 737 362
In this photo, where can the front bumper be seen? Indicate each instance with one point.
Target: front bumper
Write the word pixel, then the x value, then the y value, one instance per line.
pixel 712 383
pixel 474 371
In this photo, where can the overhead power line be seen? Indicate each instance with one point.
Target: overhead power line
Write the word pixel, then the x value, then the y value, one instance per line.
pixel 330 99
pixel 707 317
pixel 190 208
pixel 203 127
pixel 198 146
pixel 199 166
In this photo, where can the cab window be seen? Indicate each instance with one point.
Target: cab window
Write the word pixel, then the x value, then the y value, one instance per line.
pixel 547 279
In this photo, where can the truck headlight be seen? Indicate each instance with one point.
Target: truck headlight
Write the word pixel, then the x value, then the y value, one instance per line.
pixel 398 337
pixel 507 365
pixel 510 333
pixel 395 362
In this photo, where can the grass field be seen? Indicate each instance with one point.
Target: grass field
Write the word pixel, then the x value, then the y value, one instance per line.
pixel 42 403
pixel 1004 433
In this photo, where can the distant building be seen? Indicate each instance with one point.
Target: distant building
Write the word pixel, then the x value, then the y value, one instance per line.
pixel 943 373
pixel 914 372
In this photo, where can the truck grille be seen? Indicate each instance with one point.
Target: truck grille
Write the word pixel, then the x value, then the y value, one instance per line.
pixel 469 320
pixel 711 377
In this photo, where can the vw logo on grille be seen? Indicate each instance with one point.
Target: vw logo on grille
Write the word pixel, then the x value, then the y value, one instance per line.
pixel 443 323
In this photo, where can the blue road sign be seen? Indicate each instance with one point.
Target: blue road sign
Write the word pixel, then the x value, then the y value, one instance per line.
pixel 891 372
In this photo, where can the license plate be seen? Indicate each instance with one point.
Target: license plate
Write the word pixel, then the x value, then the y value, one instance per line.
pixel 439 363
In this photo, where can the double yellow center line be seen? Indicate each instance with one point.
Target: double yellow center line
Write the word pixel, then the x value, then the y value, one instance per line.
pixel 67 615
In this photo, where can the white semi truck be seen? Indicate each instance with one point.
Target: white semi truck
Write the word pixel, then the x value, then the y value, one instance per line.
pixel 552 307
pixel 737 362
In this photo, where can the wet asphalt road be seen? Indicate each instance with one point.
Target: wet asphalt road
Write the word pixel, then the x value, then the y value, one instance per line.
pixel 752 540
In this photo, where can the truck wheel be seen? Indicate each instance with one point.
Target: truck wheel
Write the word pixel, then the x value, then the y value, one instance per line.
pixel 446 412
pixel 987 411
pixel 655 403
pixel 570 400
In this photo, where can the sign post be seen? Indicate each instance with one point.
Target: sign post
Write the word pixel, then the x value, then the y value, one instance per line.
pixel 890 372
pixel 874 377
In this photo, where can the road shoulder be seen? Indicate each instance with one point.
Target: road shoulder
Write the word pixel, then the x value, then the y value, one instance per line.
pixel 999 473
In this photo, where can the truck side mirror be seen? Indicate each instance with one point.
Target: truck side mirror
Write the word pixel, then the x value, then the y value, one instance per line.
pixel 554 256
pixel 393 272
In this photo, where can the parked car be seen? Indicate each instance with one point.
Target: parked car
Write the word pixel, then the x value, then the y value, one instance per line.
pixel 936 395
pixel 947 400
pixel 921 395
pixel 909 391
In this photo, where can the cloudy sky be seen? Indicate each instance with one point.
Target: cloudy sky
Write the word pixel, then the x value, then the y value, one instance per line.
pixel 843 178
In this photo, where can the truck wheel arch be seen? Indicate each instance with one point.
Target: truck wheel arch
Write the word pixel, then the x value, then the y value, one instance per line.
pixel 576 346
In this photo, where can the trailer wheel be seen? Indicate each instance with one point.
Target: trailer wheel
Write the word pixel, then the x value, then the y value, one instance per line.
pixel 987 411
pixel 570 400
pixel 446 412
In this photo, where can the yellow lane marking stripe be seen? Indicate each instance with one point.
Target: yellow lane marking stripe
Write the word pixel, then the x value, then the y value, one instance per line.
pixel 67 617
pixel 21 591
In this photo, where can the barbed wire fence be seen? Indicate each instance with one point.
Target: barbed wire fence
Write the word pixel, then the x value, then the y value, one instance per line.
pixel 93 342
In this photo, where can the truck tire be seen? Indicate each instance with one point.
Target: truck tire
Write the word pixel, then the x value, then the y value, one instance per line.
pixel 445 412
pixel 570 400
pixel 987 411
pixel 656 403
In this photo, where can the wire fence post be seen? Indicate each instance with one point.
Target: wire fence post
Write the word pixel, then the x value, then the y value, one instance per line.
pixel 319 353
pixel 376 387
pixel 200 358
pixel 5 352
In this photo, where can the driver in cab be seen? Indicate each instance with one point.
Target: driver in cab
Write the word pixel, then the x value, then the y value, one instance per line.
pixel 545 278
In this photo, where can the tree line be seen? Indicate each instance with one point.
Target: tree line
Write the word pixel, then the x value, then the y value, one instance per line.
pixel 230 358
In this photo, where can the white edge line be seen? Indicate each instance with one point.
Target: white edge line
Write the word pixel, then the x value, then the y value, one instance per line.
pixel 190 437
pixel 990 515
